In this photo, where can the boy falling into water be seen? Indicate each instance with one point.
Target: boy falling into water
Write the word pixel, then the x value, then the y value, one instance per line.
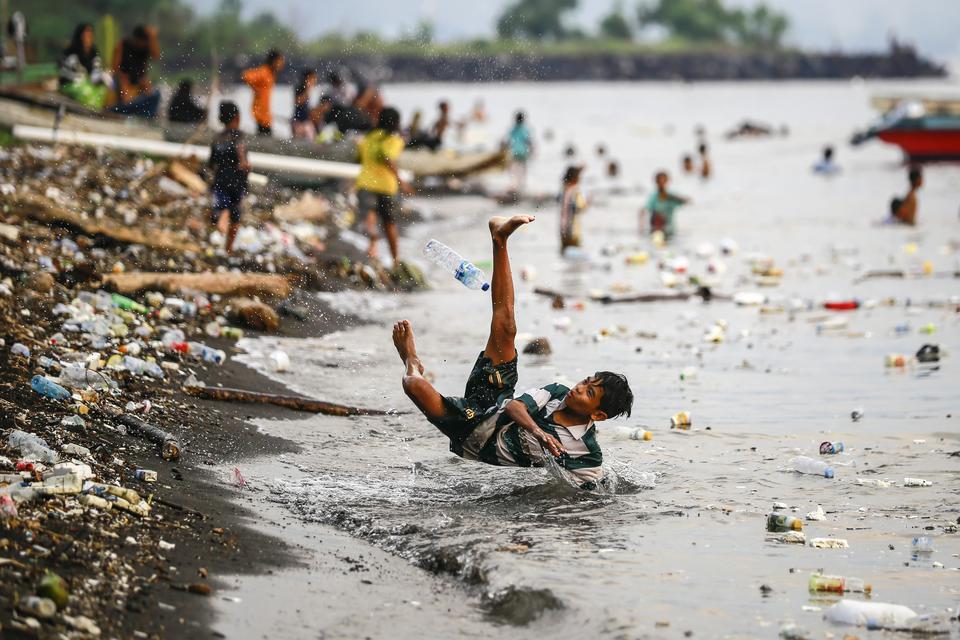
pixel 487 424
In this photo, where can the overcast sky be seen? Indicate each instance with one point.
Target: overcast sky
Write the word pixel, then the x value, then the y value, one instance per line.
pixel 933 25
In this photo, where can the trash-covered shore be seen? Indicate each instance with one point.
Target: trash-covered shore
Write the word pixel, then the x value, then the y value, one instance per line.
pixel 114 297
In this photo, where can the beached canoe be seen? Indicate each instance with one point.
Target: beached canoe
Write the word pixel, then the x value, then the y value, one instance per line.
pixel 35 108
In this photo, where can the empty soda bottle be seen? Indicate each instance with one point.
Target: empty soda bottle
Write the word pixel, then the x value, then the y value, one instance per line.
pixel 830 448
pixel 803 464
pixel 634 433
pixel 838 584
pixel 781 522
pixel 681 420
pixel 454 264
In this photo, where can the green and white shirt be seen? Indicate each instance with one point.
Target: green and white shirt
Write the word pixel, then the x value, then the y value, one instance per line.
pixel 500 441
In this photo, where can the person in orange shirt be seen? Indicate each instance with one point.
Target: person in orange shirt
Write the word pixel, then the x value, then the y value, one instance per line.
pixel 261 79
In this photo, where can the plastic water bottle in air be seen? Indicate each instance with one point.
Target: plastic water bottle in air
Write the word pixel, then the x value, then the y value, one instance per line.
pixel 453 263
pixel 803 464
pixel 48 388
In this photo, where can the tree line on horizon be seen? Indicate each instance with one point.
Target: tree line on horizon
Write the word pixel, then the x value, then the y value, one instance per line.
pixel 226 33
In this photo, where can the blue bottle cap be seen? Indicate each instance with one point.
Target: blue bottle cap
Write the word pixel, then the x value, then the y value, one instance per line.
pixel 828 472
pixel 484 286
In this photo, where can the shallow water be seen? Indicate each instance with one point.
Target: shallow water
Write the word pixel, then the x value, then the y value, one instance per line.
pixel 688 551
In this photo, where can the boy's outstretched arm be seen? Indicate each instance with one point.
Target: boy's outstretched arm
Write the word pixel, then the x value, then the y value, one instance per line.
pixel 503 326
pixel 516 410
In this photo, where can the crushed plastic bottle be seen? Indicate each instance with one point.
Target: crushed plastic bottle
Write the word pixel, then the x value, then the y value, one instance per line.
pixel 872 615
pixel 804 464
pixel 140 367
pixel 48 388
pixel 205 353
pixel 454 264
pixel 779 523
pixel 830 448
pixel 31 447
pixel 838 584
pixel 681 420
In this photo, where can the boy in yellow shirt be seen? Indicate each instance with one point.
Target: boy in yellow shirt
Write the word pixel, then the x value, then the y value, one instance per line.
pixel 379 181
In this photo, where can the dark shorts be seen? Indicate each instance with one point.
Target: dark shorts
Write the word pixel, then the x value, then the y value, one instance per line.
pixel 487 387
pixel 264 129
pixel 229 200
pixel 385 205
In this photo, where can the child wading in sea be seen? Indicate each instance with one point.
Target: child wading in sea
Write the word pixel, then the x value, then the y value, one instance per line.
pixel 520 145
pixel 904 210
pixel 488 424
pixel 228 159
pixel 572 204
pixel 661 207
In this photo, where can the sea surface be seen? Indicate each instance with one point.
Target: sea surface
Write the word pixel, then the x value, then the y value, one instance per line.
pixel 680 546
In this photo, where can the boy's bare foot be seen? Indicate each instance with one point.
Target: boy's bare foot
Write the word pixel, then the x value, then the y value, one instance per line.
pixel 501 227
pixel 406 347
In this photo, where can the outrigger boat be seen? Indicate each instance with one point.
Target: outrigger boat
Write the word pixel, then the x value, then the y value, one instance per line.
pixel 34 107
pixel 922 136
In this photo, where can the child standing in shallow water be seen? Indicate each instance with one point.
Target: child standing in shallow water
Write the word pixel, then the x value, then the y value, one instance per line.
pixel 228 159
pixel 572 204
pixel 661 207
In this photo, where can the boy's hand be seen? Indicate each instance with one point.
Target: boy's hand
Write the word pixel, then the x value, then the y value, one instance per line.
pixel 549 443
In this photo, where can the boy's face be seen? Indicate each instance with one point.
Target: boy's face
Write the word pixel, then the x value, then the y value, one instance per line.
pixel 662 181
pixel 584 398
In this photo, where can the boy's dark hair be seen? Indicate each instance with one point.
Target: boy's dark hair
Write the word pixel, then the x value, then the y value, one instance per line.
pixel 389 120
pixel 660 174
pixel 520 117
pixel 140 32
pixel 228 111
pixel 273 55
pixel 915 174
pixel 617 398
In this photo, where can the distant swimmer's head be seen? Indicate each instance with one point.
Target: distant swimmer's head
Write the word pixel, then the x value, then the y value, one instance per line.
pixel 444 106
pixel 601 396
pixel 702 149
pixel 572 175
pixel 661 179
pixel 687 163
pixel 229 114
pixel 828 153
pixel 570 151
pixel 275 60
pixel 389 120
pixel 613 169
pixel 916 177
pixel 601 150
pixel 520 117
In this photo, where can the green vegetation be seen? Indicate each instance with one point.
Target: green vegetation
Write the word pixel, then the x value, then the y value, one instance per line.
pixel 525 27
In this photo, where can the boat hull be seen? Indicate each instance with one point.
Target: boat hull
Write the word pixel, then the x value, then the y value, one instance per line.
pixel 925 145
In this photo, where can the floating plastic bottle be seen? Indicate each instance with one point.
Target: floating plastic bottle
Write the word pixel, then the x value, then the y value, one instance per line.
pixel 872 615
pixel 278 361
pixel 681 420
pixel 48 388
pixel 897 360
pixel 837 584
pixel 803 464
pixel 634 433
pixel 454 264
pixel 205 353
pixel 779 523
pixel 830 448
pixel 31 447
pixel 922 544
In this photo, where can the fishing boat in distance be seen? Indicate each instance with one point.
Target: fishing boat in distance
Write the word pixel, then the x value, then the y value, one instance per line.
pixel 926 129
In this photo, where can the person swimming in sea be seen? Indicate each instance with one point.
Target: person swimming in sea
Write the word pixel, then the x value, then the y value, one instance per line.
pixel 904 210
pixel 488 424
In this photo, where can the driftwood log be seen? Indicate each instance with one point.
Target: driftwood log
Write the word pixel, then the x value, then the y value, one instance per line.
pixel 290 402
pixel 670 296
pixel 188 178
pixel 224 284
pixel 46 211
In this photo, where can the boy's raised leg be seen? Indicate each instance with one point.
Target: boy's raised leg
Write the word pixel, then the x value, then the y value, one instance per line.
pixel 417 388
pixel 503 325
